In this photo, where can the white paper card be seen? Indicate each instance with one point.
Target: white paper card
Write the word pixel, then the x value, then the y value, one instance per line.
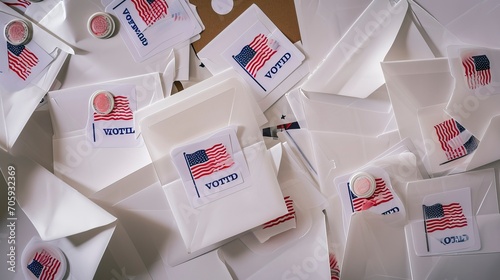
pixel 447 224
pixel 161 25
pixel 116 129
pixel 20 64
pixel 263 58
pixel 211 168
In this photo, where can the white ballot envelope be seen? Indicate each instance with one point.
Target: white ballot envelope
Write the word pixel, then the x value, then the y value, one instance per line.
pixel 258 51
pixel 419 93
pixel 26 74
pixel 453 220
pixel 35 11
pixel 472 22
pixel 476 81
pixel 249 258
pixel 211 160
pixel 83 156
pixel 375 248
pixel 358 53
pixel 148 228
pixel 50 210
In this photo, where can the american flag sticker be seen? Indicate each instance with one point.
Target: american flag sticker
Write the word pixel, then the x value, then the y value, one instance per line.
pixel 441 217
pixel 21 60
pixel 477 71
pixel 207 161
pixel 381 195
pixel 151 11
pixel 121 111
pixel 283 219
pixel 253 56
pixel 44 266
pixel 455 140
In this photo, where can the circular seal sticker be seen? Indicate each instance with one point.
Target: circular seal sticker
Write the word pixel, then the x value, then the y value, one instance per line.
pixel 17 32
pixel 42 260
pixel 103 102
pixel 101 25
pixel 362 184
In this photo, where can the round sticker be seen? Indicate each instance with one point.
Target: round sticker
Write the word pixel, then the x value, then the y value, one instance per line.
pixel 101 25
pixel 103 102
pixel 222 7
pixel 362 184
pixel 17 32
pixel 42 260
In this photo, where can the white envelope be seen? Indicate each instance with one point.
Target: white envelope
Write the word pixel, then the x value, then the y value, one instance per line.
pixel 86 168
pixel 437 37
pixel 17 107
pixel 58 214
pixel 316 16
pixel 483 188
pixel 324 112
pixel 358 53
pixel 472 22
pixel 149 229
pixel 211 54
pixel 83 251
pixel 34 11
pixel 247 258
pixel 375 248
pixel 204 109
pixel 413 85
pixel 99 60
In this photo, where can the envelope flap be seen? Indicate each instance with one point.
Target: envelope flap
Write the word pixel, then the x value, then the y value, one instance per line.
pixel 207 109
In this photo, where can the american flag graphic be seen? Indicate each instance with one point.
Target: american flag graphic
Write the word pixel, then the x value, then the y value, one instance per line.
pixel 17 3
pixel 288 216
pixel 455 140
pixel 21 60
pixel 477 70
pixel 381 195
pixel 206 162
pixel 441 217
pixel 44 266
pixel 151 10
pixel 334 267
pixel 121 111
pixel 254 55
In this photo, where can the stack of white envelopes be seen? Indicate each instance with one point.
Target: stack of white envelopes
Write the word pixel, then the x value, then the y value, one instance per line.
pixel 367 150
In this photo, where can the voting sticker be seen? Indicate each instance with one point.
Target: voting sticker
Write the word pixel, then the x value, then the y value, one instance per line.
pixel 447 224
pixel 111 117
pixel 211 168
pixel 263 58
pixel 448 143
pixel 477 70
pixel 20 64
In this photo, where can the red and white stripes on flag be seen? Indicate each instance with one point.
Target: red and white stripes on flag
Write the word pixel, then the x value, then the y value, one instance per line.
pixel 151 11
pixel 262 53
pixel 441 217
pixel 477 71
pixel 46 265
pixel 447 131
pixel 206 162
pixel 21 60
pixel 121 111
pixel 288 216
pixel 381 195
pixel 17 3
pixel 334 267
